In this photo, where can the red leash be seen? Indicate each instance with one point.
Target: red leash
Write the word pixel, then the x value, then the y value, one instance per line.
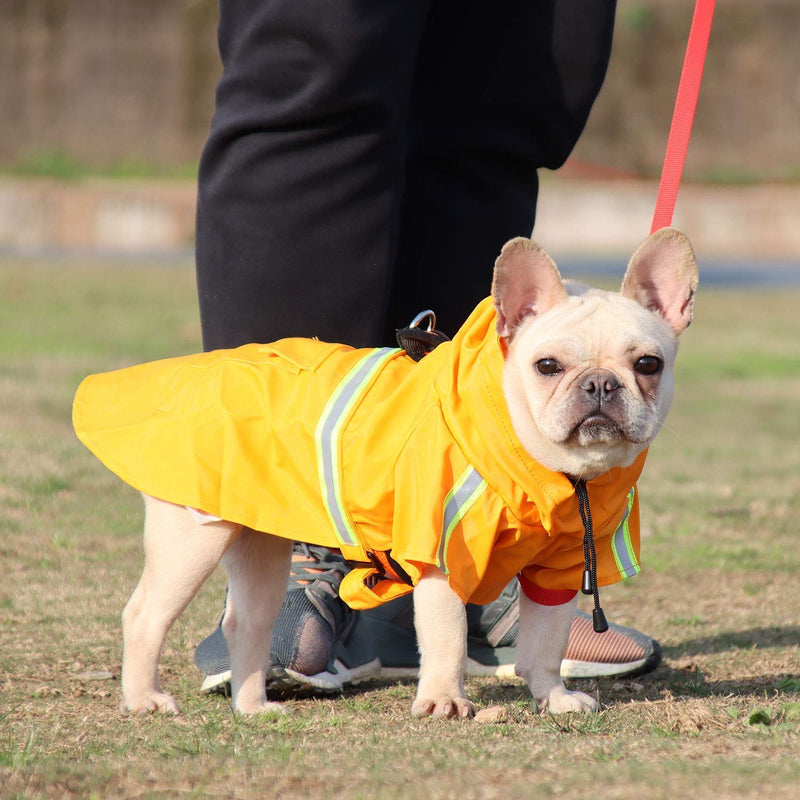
pixel 683 116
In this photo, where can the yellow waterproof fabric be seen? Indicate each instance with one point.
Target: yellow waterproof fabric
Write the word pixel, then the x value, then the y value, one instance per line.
pixel 362 450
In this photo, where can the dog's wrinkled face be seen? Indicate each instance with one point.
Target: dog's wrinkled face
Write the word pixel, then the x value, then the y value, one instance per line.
pixel 588 374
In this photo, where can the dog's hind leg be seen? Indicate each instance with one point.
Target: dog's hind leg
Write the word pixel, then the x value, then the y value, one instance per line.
pixel 180 553
pixel 258 568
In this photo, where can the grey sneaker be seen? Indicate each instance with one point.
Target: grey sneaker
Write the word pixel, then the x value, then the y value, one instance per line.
pixel 311 621
pixel 387 633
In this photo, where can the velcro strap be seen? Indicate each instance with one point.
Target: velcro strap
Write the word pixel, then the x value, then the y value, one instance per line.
pixel 381 567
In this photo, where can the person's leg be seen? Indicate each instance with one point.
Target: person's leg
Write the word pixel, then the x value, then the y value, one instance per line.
pixel 300 179
pixel 498 96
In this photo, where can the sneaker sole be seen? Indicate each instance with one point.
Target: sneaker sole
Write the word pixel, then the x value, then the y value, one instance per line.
pixel 474 669
pixel 569 669
pixel 334 682
pixel 216 682
pixel 588 669
pixel 287 680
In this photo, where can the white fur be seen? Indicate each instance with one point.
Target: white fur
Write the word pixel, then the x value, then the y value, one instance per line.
pixel 584 332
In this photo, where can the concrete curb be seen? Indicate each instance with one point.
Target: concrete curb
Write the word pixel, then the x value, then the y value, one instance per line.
pixel 121 217
pixel 612 217
pixel 576 217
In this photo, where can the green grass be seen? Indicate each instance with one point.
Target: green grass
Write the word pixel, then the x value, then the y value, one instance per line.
pixel 62 166
pixel 719 590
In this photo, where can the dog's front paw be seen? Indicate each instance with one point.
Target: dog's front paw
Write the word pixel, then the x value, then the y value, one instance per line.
pixel 455 707
pixel 560 701
pixel 150 701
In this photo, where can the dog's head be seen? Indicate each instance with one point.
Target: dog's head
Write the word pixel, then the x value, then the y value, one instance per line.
pixel 588 373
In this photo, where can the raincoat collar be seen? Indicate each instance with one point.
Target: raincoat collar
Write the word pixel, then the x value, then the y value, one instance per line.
pixel 470 388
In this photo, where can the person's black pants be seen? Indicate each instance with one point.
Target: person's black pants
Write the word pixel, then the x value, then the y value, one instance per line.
pixel 368 159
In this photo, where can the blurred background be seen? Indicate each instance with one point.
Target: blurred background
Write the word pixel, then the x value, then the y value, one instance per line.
pixel 106 105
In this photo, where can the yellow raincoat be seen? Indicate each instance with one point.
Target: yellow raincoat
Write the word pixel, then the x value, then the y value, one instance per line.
pixel 365 451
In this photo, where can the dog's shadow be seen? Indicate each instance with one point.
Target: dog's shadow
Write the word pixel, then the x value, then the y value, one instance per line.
pixel 756 638
pixel 692 681
pixel 666 680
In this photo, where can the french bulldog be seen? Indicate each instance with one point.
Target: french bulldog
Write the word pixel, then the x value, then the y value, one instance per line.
pixel 550 385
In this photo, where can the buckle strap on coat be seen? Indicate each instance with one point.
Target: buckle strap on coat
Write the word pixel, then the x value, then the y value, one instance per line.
pixel 388 568
pixel 418 342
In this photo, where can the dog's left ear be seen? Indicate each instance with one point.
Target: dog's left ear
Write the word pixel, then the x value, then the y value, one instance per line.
pixel 526 281
pixel 662 276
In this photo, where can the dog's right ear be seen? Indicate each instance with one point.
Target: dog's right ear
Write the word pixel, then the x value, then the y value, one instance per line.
pixel 662 276
pixel 526 282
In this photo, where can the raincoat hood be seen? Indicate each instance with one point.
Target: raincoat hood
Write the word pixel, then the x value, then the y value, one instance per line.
pixel 470 388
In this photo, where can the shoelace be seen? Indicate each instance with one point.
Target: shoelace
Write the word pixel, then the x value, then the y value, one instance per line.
pixel 313 564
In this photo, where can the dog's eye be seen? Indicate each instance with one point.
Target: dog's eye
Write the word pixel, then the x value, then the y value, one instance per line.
pixel 548 366
pixel 649 365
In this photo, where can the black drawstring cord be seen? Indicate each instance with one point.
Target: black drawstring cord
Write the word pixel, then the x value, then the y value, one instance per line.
pixel 589 584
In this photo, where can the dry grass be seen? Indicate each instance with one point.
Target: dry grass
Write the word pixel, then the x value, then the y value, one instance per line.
pixel 719 718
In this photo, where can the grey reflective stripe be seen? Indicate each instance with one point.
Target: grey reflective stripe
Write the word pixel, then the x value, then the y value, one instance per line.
pixel 328 432
pixel 621 544
pixel 467 489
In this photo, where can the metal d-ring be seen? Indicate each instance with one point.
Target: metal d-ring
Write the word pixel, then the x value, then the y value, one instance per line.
pixel 417 321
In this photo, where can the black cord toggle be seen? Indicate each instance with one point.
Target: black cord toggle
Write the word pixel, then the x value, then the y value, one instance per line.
pixel 599 620
pixel 589 583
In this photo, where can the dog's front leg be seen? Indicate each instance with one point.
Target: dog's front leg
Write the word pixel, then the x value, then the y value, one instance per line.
pixel 441 622
pixel 541 644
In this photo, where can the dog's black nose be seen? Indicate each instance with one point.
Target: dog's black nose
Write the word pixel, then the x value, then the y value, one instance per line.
pixel 600 384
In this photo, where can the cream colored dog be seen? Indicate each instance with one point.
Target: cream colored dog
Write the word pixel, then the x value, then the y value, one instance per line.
pixel 588 382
